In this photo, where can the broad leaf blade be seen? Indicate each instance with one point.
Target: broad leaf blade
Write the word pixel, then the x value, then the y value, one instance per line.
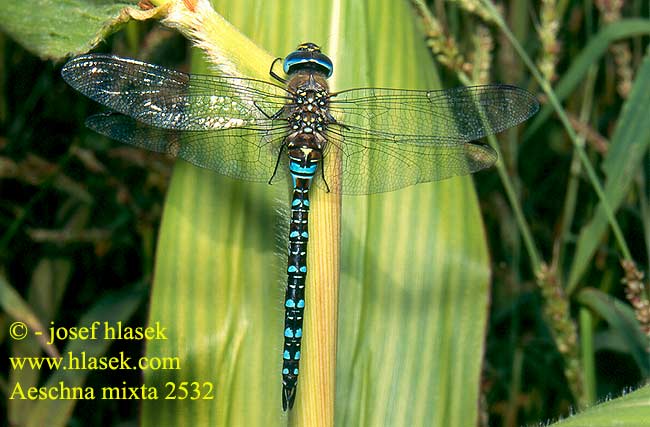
pixel 632 409
pixel 414 293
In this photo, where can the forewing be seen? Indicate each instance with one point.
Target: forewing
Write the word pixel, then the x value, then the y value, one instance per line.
pixel 170 99
pixel 462 114
pixel 241 153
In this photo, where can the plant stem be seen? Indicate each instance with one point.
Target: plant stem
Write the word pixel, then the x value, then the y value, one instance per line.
pixel 587 355
pixel 572 186
pixel 511 193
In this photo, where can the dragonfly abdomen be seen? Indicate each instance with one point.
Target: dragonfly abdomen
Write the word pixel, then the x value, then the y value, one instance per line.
pixel 302 166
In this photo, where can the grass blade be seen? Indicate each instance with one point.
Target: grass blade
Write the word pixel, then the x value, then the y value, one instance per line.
pixel 622 163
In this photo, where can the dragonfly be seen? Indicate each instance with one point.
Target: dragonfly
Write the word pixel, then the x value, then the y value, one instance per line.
pixel 355 141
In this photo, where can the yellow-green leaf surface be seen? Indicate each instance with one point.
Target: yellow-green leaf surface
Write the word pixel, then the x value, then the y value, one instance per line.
pixel 414 281
pixel 630 410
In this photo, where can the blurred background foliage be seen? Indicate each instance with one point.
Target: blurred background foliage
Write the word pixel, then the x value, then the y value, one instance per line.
pixel 568 322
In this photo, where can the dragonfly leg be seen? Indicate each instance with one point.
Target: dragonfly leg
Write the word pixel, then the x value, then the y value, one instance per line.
pixel 264 112
pixel 275 76
pixel 277 162
pixel 332 121
pixel 322 174
pixel 278 114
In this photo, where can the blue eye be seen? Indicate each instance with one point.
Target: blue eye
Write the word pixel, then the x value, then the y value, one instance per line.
pixel 308 57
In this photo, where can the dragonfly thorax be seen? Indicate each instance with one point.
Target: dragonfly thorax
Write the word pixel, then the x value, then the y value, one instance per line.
pixel 308 110
pixel 306 122
pixel 306 81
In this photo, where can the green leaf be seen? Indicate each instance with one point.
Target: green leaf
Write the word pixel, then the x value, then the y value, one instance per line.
pixel 621 319
pixel 111 308
pixel 14 305
pixel 55 29
pixel 629 410
pixel 621 165
pixel 595 49
pixel 414 289
pixel 46 289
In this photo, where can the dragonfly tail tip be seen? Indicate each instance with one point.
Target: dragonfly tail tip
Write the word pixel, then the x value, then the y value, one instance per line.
pixel 288 397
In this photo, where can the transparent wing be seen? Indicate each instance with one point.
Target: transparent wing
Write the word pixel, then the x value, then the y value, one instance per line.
pixel 451 114
pixel 375 164
pixel 386 138
pixel 241 153
pixel 170 99
pixel 218 122
pixel 389 138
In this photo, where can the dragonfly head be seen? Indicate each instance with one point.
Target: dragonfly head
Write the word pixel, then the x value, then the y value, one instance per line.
pixel 308 56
